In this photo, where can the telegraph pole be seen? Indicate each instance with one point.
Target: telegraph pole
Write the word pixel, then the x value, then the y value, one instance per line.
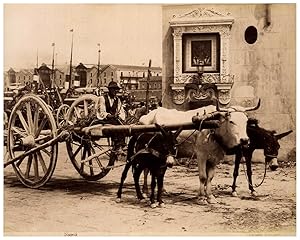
pixel 147 87
pixel 98 73
pixel 53 74
pixel 37 58
pixel 70 84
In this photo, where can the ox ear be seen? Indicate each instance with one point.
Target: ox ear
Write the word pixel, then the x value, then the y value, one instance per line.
pixel 281 135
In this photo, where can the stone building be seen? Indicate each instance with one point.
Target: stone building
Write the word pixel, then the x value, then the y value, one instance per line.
pixel 236 54
pixel 155 89
pixel 23 76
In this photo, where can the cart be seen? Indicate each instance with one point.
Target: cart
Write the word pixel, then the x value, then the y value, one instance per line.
pixel 33 138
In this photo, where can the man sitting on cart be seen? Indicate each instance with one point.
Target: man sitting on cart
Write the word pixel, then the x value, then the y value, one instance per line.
pixel 112 112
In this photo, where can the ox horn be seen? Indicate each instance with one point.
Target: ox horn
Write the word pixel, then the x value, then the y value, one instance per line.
pixel 281 135
pixel 220 109
pixel 253 108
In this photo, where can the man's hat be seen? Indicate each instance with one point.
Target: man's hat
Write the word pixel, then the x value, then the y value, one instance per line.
pixel 113 84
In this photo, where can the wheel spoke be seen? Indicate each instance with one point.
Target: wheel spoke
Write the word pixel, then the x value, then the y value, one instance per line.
pixel 29 117
pixel 77 151
pixel 23 121
pixel 41 127
pixel 44 150
pixel 77 112
pixel 96 158
pixel 35 167
pixel 40 157
pixel 83 157
pixel 15 129
pixel 35 120
pixel 91 161
pixel 19 162
pixel 28 166
pixel 85 106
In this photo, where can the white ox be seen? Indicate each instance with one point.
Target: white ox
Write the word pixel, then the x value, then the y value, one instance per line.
pixel 209 145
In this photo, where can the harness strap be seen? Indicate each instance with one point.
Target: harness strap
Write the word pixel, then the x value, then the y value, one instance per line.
pixel 146 150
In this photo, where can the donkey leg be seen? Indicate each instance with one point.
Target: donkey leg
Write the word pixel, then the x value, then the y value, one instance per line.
pixel 123 177
pixel 249 175
pixel 160 186
pixel 145 185
pixel 153 185
pixel 237 162
pixel 136 177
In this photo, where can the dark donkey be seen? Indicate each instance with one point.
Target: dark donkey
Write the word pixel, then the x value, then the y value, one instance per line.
pixel 260 138
pixel 154 151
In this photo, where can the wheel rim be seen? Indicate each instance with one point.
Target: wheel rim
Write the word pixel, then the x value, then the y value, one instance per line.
pixel 80 147
pixel 32 119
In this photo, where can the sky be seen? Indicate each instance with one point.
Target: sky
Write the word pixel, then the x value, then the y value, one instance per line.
pixel 128 34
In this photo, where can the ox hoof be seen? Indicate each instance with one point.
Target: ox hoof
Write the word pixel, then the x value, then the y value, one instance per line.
pixel 144 195
pixel 162 205
pixel 202 201
pixel 153 205
pixel 212 200
pixel 254 194
pixel 118 200
pixel 234 194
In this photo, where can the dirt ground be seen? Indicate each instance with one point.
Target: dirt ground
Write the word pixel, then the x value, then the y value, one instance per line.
pixel 70 206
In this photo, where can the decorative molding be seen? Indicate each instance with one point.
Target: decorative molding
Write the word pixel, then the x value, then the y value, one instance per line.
pixel 224 96
pixel 203 15
pixel 178 96
pixel 198 21
pixel 201 93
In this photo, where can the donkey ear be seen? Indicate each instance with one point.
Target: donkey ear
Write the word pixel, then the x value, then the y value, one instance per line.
pixel 163 131
pixel 281 135
pixel 179 130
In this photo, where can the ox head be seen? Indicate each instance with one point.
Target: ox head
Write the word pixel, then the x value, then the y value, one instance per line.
pixel 233 125
pixel 272 147
pixel 169 143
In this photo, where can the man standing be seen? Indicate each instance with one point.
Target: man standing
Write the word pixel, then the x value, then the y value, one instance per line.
pixel 110 110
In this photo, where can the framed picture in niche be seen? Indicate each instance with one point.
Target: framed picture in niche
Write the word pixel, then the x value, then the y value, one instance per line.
pixel 201 49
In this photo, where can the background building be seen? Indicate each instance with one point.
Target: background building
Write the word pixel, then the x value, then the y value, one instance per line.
pixel 252 51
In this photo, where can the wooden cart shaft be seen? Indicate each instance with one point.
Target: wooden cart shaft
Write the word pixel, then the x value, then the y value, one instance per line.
pixel 129 130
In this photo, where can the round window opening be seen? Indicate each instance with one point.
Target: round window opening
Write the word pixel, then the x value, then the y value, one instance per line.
pixel 251 35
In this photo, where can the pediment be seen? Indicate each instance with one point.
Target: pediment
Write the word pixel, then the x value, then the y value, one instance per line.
pixel 204 15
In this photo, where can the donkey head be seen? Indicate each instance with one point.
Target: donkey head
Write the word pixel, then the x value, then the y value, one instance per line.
pixel 169 143
pixel 273 147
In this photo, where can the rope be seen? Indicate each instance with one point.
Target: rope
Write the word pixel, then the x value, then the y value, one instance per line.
pixel 256 185
pixel 186 138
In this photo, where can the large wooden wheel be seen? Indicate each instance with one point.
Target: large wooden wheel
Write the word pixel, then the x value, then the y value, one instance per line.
pixel 61 115
pixel 92 157
pixel 31 124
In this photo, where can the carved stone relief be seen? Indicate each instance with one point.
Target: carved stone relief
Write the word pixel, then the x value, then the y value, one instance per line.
pixel 202 20
pixel 178 96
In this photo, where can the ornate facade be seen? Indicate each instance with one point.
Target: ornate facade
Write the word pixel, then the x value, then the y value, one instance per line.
pixel 214 80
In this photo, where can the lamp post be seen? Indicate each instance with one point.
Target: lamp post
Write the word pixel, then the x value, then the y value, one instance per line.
pixel 53 74
pixel 98 72
pixel 147 87
pixel 70 84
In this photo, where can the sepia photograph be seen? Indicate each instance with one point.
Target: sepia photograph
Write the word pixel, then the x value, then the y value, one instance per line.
pixel 163 119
